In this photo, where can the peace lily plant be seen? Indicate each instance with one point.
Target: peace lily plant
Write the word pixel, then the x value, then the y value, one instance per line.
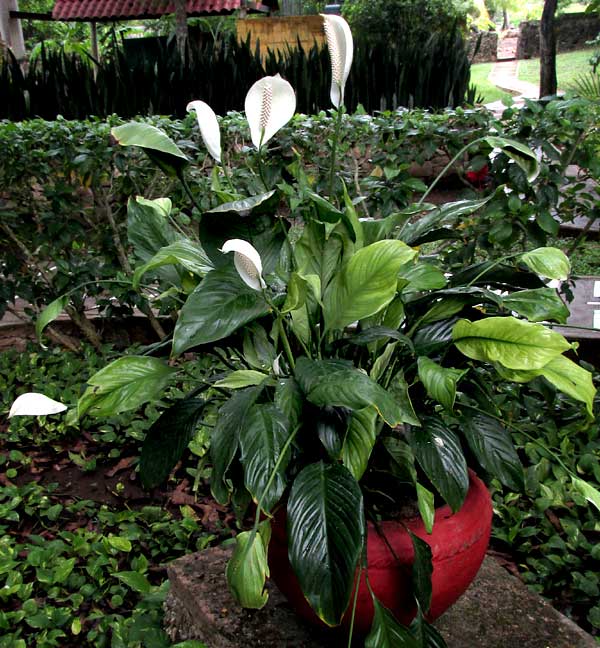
pixel 353 369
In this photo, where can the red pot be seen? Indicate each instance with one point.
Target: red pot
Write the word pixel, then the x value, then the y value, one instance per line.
pixel 458 545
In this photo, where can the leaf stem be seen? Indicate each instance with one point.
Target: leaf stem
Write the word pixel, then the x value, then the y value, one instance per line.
pixel 334 147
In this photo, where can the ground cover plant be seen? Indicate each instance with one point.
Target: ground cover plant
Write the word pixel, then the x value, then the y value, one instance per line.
pixel 569 66
pixel 310 325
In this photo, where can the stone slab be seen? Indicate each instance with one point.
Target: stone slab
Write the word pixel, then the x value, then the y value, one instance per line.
pixel 584 308
pixel 497 611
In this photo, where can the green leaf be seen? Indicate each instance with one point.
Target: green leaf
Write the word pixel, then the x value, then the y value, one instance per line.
pixel 326 384
pixel 125 384
pixel 289 400
pixel 263 434
pixel 424 633
pixel 183 252
pixel 359 441
pixel 537 305
pixel 511 342
pixel 136 581
pixel 247 569
pixel 440 382
pixel 220 305
pixel 119 543
pixel 224 441
pixel 167 439
pixel 63 570
pixel 518 152
pixel 440 455
pixel 366 284
pixel 399 389
pixel 262 203
pixel 567 376
pixel 242 378
pixel 494 450
pixel 296 293
pixel 422 276
pixel 590 493
pixel 149 228
pixel 49 314
pixel 159 147
pixel 318 254
pixel 386 632
pixel 326 212
pixel 426 504
pixel 548 262
pixel 326 534
pixel 422 570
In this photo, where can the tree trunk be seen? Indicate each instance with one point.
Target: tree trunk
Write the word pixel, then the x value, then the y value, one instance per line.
pixel 181 27
pixel 548 83
pixel 505 20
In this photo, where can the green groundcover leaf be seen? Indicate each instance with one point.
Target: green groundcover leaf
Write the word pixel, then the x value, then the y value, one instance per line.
pixel 125 384
pixel 366 284
pixel 326 534
pixel 590 493
pixel 136 581
pixel 513 343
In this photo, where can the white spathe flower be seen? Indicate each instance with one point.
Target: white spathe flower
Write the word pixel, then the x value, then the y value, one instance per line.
pixel 247 262
pixel 209 127
pixel 32 404
pixel 341 51
pixel 270 104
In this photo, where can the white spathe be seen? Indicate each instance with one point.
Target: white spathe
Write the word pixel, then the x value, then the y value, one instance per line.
pixel 209 127
pixel 341 51
pixel 270 104
pixel 247 262
pixel 32 404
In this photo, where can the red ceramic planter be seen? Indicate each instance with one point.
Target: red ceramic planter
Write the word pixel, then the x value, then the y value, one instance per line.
pixel 458 544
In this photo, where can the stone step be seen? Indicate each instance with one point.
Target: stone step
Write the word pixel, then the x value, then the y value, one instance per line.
pixel 497 611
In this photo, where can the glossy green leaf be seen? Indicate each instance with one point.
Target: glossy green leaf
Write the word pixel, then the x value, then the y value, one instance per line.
pixel 359 441
pixel 167 439
pixel 159 147
pixel 548 262
pixel 318 254
pixel 351 388
pixel 422 570
pixel 326 535
pixel 149 228
pixel 220 305
pixel 493 448
pixel 566 375
pixel 296 293
pixel 125 384
pixel 440 382
pixel 263 433
pixel 398 387
pixel 422 276
pixel 49 314
pixel 537 305
pixel 591 494
pixel 518 152
pixel 386 632
pixel 425 634
pixel 224 441
pixel 426 504
pixel 440 455
pixel 289 400
pixel 262 203
pixel 184 252
pixel 247 570
pixel 242 378
pixel 366 284
pixel 513 343
pixel 330 425
pixel 326 212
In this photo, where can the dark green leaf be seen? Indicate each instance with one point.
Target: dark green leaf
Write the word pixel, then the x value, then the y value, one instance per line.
pixel 263 203
pixel 167 439
pixel 421 572
pixel 440 455
pixel 49 314
pixel 220 305
pixel 538 305
pixel 326 534
pixel 386 632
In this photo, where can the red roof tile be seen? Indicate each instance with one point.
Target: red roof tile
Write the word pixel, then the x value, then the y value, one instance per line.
pixel 129 9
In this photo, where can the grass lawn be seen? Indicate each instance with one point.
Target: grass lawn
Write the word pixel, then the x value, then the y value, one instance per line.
pixel 479 78
pixel 568 67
